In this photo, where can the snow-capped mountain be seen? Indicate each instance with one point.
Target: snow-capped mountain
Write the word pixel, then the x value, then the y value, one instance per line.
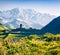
pixel 28 17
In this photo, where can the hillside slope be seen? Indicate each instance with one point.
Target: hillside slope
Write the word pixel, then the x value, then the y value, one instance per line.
pixel 52 27
pixel 3 27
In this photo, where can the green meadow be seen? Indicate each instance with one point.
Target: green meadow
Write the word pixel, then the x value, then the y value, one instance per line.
pixel 47 44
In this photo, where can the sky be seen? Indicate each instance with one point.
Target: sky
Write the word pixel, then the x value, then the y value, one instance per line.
pixel 44 6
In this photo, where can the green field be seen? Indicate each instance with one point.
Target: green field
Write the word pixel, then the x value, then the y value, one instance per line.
pixel 47 44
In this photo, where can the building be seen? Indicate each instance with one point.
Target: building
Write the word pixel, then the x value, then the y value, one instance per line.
pixel 20 26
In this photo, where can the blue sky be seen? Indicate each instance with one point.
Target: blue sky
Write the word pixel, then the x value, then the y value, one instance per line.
pixel 44 6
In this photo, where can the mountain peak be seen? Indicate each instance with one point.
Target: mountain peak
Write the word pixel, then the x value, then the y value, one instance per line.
pixel 27 17
pixel 52 27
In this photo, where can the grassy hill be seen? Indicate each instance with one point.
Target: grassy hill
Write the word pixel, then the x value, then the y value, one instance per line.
pixel 3 27
pixel 48 44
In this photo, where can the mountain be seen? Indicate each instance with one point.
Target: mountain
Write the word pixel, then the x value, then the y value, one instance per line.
pixel 28 17
pixel 52 27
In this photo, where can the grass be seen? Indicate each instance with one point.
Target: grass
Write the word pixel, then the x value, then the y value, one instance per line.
pixel 48 44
